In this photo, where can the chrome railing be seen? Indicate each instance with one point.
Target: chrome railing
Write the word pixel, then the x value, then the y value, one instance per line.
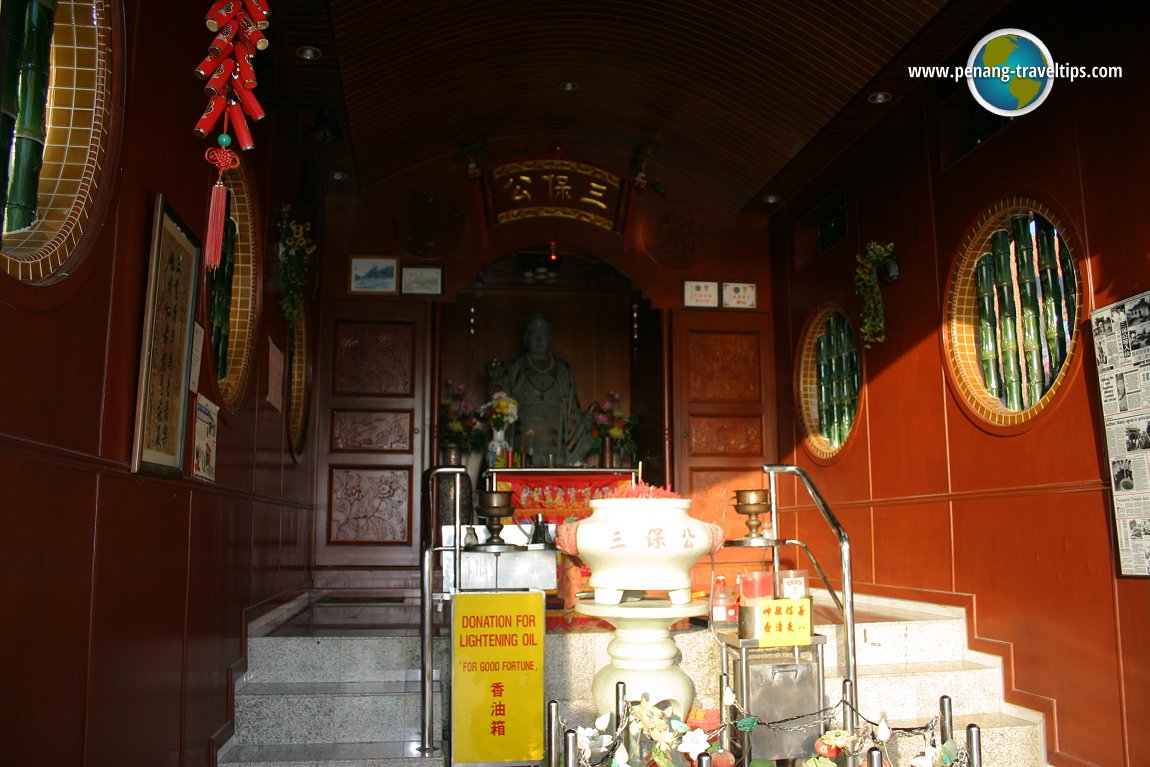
pixel 844 605
pixel 429 523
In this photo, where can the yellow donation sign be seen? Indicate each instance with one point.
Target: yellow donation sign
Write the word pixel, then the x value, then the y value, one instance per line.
pixel 783 622
pixel 497 677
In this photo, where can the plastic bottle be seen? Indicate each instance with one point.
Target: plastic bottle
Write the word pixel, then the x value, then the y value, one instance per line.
pixel 723 607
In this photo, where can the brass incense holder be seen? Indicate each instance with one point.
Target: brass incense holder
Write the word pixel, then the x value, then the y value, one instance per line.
pixel 752 503
pixel 494 506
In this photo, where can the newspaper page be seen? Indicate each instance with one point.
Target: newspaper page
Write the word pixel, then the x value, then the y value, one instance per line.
pixel 1122 348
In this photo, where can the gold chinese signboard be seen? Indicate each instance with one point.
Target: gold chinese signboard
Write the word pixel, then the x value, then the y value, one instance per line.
pixel 555 189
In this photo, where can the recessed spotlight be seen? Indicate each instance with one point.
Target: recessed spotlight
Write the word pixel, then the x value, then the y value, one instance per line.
pixel 308 53
pixel 879 97
pixel 568 86
pixel 772 199
pixel 338 175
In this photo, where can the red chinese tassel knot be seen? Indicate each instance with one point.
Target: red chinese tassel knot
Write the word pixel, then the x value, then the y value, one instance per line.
pixel 224 159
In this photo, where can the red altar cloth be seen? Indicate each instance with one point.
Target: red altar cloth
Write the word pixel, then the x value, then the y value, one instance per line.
pixel 558 497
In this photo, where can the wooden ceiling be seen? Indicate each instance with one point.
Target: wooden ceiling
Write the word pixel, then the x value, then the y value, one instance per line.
pixel 744 98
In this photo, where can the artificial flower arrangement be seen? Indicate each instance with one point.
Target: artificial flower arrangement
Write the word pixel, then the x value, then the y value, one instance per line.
pixel 672 741
pixel 459 421
pixel 501 411
pixel 669 736
pixel 296 248
pixel 609 420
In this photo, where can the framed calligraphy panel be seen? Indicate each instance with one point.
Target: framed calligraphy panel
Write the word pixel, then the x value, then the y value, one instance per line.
pixel 165 355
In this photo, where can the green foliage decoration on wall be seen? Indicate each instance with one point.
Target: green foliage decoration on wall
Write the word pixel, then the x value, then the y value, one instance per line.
pixel 872 326
pixel 296 249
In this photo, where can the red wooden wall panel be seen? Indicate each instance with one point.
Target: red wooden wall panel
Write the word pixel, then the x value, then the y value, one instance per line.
pixel 1050 594
pixel 47 532
pixel 928 565
pixel 140 582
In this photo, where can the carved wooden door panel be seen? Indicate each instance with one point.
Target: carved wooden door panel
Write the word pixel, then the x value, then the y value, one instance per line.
pixel 725 400
pixel 372 396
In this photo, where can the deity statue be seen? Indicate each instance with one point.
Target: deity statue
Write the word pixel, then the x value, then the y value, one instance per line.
pixel 551 430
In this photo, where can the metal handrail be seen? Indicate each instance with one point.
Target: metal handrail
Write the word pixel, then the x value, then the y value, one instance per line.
pixel 846 605
pixel 429 523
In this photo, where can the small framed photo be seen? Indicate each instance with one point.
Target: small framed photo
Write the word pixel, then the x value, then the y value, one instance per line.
pixel 373 274
pixel 700 294
pixel 739 295
pixel 423 280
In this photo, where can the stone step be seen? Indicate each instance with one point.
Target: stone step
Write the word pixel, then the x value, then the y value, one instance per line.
pixel 384 754
pixel 346 658
pixel 885 642
pixel 910 690
pixel 329 712
pixel 1006 740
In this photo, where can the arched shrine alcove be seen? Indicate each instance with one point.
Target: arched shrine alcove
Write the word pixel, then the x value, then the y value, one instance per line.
pixel 602 327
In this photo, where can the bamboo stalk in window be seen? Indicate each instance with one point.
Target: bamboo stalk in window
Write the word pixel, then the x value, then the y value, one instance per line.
pixel 1069 282
pixel 12 23
pixel 35 66
pixel 1007 319
pixel 1031 319
pixel 836 383
pixel 222 298
pixel 854 374
pixel 1051 293
pixel 987 325
pixel 824 387
pixel 843 376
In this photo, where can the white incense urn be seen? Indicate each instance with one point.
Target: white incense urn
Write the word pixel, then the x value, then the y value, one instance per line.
pixel 639 544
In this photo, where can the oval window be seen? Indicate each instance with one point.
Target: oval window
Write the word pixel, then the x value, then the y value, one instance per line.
pixel 1011 313
pixel 233 290
pixel 829 381
pixel 55 131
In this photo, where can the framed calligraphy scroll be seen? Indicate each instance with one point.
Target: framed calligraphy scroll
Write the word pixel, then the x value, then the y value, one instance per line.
pixel 165 354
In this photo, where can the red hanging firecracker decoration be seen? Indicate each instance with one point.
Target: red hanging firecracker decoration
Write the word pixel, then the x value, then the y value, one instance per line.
pixel 230 81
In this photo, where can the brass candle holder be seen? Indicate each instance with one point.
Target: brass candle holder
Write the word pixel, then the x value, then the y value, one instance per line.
pixel 494 506
pixel 752 503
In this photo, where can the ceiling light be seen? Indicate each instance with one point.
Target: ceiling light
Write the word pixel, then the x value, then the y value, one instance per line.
pixel 879 97
pixel 338 175
pixel 568 86
pixel 772 199
pixel 308 53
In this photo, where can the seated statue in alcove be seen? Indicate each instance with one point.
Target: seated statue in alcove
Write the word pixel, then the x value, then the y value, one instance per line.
pixel 551 429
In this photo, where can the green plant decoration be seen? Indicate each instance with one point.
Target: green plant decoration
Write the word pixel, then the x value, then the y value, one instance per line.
pixel 296 248
pixel 873 325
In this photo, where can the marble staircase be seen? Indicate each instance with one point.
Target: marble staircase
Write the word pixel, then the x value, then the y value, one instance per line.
pixel 342 690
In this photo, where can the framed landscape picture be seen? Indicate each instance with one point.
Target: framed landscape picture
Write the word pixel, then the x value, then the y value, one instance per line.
pixel 166 353
pixel 373 274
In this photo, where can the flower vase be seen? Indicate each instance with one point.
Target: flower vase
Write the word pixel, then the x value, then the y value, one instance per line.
pixel 606 452
pixel 498 449
pixel 453 455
